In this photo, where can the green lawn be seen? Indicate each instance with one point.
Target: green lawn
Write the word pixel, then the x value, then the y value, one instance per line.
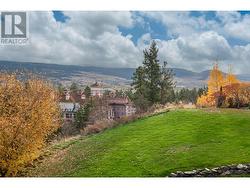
pixel 156 146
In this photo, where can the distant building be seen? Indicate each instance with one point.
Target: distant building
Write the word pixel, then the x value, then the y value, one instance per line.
pixel 70 103
pixel 112 108
pixel 97 89
pixel 69 110
pixel 119 107
pixel 73 97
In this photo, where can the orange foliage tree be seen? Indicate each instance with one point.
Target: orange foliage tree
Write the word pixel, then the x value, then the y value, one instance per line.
pixel 245 93
pixel 216 80
pixel 228 91
pixel 231 79
pixel 29 113
pixel 237 95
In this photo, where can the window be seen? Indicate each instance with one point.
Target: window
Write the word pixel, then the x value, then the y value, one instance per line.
pixel 68 115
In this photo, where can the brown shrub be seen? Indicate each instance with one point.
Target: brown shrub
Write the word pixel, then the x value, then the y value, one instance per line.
pixel 98 127
pixel 29 113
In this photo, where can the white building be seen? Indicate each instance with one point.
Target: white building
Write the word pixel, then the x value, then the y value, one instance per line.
pixel 69 110
pixel 98 90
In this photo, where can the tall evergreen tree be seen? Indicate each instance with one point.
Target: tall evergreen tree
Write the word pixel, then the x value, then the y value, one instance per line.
pixel 152 73
pixel 166 84
pixel 74 87
pixel 139 80
pixel 87 92
pixel 152 83
pixel 82 116
pixel 139 84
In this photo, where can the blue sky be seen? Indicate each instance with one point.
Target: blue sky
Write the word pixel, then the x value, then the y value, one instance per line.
pixel 156 28
pixel 189 39
pixel 59 16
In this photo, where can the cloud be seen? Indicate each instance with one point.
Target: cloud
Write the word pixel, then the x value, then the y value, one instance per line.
pixel 87 38
pixel 198 41
pixel 94 38
pixel 239 29
pixel 179 23
pixel 195 52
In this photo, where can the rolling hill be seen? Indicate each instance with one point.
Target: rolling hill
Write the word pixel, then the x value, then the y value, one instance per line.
pixel 155 146
pixel 118 77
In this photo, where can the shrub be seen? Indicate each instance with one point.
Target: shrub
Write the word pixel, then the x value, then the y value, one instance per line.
pixel 29 113
pixel 98 127
pixel 102 125
pixel 127 119
pixel 67 129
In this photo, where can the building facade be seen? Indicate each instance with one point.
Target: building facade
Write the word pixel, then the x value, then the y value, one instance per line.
pixel 70 103
pixel 69 110
pixel 98 90
pixel 120 107
pixel 111 106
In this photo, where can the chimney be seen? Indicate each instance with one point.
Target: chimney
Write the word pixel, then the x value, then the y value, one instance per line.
pixel 67 95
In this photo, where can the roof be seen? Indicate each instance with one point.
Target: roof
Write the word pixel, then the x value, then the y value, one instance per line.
pixel 69 106
pixel 120 101
pixel 96 84
pixel 74 97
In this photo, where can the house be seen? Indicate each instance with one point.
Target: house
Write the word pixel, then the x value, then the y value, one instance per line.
pixel 97 89
pixel 72 96
pixel 119 107
pixel 69 110
pixel 111 107
pixel 69 103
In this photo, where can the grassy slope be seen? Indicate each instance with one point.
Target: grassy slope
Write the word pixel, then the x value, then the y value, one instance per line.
pixel 156 146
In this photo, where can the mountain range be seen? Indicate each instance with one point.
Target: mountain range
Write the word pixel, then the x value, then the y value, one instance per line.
pixel 111 77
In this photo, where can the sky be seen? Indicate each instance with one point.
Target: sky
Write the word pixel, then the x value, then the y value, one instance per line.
pixel 191 40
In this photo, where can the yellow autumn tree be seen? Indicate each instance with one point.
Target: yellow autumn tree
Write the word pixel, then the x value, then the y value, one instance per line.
pixel 229 92
pixel 237 95
pixel 29 113
pixel 206 101
pixel 245 93
pixel 231 78
pixel 215 81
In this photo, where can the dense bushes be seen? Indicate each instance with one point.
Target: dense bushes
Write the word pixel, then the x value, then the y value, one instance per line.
pixel 98 126
pixel 102 125
pixel 28 115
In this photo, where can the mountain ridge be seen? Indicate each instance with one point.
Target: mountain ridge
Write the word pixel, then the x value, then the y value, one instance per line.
pixel 113 76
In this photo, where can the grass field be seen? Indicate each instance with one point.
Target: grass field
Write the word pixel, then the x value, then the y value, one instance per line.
pixel 155 146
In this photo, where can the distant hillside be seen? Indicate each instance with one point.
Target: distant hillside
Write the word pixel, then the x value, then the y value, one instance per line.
pixel 119 77
pixel 64 70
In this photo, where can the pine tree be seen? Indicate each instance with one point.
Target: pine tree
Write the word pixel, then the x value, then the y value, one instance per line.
pixel 87 92
pixel 74 87
pixel 152 83
pixel 139 84
pixel 82 116
pixel 152 73
pixel 166 84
